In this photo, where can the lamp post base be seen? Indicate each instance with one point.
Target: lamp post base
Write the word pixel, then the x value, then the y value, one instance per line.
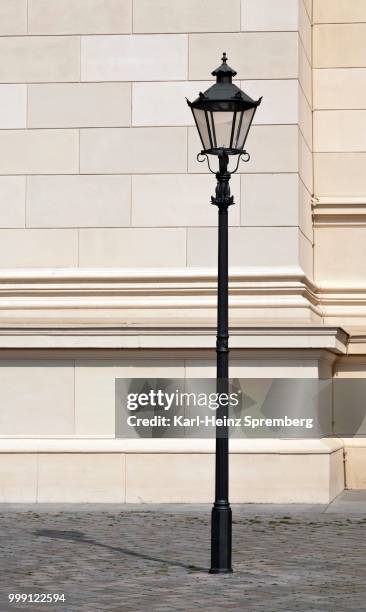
pixel 221 521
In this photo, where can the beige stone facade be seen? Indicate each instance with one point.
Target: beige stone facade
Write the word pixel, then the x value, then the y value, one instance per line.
pixel 108 240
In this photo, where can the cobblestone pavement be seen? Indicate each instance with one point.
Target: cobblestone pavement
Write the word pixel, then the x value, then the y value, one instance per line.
pixel 154 559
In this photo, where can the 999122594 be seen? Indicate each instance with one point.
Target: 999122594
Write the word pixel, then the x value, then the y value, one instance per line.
pixel 36 598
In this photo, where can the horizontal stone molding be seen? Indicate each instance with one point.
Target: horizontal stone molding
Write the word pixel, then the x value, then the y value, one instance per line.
pixel 144 288
pixel 136 305
pixel 135 308
pixel 141 299
pixel 339 211
pixel 327 339
pixel 112 445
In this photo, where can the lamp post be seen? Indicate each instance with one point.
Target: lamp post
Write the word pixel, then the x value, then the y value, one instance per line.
pixel 223 115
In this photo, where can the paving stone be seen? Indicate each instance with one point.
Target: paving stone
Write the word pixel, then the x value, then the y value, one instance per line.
pixel 154 559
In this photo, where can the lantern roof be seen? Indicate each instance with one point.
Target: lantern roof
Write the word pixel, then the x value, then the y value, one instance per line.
pixel 224 69
pixel 224 95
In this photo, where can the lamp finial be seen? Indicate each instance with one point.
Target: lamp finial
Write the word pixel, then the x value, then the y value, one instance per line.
pixel 224 58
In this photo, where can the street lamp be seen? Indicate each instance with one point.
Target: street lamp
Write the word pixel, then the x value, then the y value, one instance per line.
pixel 223 115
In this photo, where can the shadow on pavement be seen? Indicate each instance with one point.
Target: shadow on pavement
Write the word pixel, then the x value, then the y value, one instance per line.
pixel 79 537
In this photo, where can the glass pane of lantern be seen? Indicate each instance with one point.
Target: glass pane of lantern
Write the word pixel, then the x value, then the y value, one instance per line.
pixel 242 125
pixel 223 123
pixel 202 121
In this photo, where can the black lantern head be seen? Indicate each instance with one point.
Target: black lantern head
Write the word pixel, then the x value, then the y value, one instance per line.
pixel 223 114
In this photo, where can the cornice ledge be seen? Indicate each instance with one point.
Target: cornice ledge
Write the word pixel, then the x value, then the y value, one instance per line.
pixel 336 211
pixel 176 288
pixel 125 275
pixel 170 336
pixel 173 446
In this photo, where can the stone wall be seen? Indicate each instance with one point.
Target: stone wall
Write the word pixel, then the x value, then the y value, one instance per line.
pixel 98 150
pixel 108 240
pixel 340 147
